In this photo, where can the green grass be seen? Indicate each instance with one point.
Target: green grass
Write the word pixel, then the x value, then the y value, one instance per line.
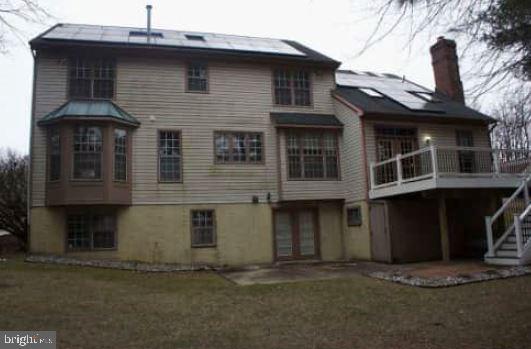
pixel 99 308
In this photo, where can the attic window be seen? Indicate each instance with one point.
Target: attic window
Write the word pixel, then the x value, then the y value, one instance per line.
pixel 371 92
pixel 427 96
pixel 195 37
pixel 143 33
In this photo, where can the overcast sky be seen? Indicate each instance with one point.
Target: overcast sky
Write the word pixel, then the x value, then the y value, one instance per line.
pixel 336 28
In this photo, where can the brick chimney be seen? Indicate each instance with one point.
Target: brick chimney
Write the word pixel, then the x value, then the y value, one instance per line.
pixel 446 69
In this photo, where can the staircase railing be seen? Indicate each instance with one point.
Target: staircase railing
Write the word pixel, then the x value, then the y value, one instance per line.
pixel 522 231
pixel 490 221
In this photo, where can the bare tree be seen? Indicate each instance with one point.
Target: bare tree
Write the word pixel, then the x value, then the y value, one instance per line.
pixel 513 117
pixel 14 14
pixel 13 194
pixel 494 35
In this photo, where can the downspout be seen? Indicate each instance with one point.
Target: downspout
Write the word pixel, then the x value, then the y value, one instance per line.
pixel 30 157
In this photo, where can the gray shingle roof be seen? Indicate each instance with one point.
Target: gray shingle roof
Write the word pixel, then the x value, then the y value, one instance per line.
pixel 89 109
pixel 398 97
pixel 305 119
pixel 178 41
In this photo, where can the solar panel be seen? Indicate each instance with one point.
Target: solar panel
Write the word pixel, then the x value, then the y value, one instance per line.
pixel 401 91
pixel 144 33
pixel 171 38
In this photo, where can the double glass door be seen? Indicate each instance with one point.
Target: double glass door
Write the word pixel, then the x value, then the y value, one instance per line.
pixel 296 233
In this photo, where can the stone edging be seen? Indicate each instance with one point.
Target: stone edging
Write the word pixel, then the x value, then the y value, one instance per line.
pixel 112 264
pixel 494 274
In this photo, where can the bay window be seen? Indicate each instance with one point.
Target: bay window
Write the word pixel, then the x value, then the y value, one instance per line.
pixel 88 146
pixel 120 155
pixel 54 157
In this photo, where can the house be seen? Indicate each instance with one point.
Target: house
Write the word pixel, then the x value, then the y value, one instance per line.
pixel 200 148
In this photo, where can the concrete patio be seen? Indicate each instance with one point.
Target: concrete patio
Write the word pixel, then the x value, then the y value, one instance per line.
pixel 425 274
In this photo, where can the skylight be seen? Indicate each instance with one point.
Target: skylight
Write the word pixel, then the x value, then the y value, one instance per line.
pixel 427 96
pixel 371 92
pixel 195 37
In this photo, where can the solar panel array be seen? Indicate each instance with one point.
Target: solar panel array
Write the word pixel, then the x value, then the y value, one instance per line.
pixel 394 88
pixel 171 38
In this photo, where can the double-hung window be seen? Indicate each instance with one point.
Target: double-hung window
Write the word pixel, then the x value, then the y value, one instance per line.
pixel 88 232
pixel 197 77
pixel 120 155
pixel 169 156
pixel 238 147
pixel 54 157
pixel 312 155
pixel 292 87
pixel 92 78
pixel 88 145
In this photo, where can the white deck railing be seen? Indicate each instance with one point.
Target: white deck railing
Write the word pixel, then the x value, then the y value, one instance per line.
pixel 435 162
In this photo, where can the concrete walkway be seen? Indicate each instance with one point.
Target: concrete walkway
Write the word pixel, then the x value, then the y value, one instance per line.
pixel 426 274
pixel 290 273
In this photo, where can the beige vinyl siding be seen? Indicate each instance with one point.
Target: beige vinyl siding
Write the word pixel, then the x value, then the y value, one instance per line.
pixel 153 90
pixel 354 180
pixel 441 134
pixel 308 189
pixel 50 93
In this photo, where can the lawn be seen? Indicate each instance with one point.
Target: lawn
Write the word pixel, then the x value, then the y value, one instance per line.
pixel 99 308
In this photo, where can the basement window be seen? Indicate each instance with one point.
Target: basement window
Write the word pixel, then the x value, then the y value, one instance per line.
pixel 195 37
pixel 91 232
pixel 371 92
pixel 354 216
pixel 203 228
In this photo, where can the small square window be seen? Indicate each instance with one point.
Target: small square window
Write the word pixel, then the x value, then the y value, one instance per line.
pixel 354 216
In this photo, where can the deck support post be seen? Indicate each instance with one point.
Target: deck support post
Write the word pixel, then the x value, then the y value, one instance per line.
pixel 443 228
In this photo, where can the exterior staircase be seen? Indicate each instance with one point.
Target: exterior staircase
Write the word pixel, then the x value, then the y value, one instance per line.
pixel 513 247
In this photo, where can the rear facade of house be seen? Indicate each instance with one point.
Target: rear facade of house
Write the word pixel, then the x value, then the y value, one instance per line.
pixel 197 148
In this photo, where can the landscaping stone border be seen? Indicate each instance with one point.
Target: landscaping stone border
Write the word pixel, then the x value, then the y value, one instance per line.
pixel 461 279
pixel 112 264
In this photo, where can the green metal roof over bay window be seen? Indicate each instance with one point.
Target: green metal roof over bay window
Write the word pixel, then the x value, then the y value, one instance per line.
pixel 89 109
